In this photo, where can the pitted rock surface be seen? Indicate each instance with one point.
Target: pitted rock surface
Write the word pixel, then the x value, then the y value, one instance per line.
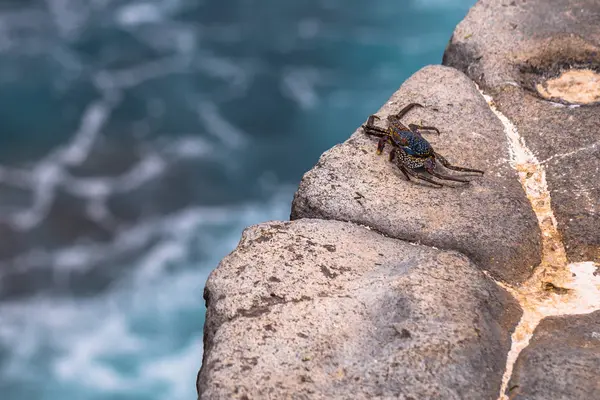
pixel 490 220
pixel 562 361
pixel 316 309
pixel 509 48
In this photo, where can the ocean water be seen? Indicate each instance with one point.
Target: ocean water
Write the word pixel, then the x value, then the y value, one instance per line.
pixel 138 139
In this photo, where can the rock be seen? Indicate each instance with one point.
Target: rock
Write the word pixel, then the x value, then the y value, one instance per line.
pixel 561 362
pixel 316 309
pixel 490 220
pixel 526 54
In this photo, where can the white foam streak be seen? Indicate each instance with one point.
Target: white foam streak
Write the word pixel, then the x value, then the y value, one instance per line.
pixel 76 367
pixel 45 178
pixel 173 230
pixel 218 67
pixel 299 84
pixel 178 369
pixel 134 76
pixel 70 16
pixel 138 13
pixel 51 173
pixel 189 147
pixel 156 261
pixel 94 118
pixel 229 135
pixel 89 336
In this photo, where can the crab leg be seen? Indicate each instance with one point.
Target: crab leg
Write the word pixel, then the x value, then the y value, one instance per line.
pixel 373 130
pixel 406 109
pixel 370 127
pixel 371 120
pixel 446 164
pixel 393 156
pixel 399 156
pixel 397 124
pixel 408 171
pixel 370 130
pixel 394 120
pixel 446 177
pixel 380 133
pixel 416 128
pixel 405 173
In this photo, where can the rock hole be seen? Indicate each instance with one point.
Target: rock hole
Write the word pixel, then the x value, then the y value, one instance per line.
pixel 574 86
pixel 563 70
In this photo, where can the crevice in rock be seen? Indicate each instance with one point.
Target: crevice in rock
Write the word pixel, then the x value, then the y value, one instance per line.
pixel 265 307
pixel 556 287
pixel 571 153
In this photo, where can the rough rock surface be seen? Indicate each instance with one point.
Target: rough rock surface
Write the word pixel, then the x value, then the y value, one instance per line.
pixel 316 309
pixel 512 48
pixel 323 309
pixel 490 220
pixel 562 361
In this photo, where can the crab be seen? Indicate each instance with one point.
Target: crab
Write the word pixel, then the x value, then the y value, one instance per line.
pixel 410 150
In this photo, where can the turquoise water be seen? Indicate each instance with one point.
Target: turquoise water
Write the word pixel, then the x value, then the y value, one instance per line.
pixel 138 139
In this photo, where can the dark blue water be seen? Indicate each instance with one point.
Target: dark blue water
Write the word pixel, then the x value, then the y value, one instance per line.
pixel 138 139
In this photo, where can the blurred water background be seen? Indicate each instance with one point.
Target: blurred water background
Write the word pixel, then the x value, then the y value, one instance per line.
pixel 138 139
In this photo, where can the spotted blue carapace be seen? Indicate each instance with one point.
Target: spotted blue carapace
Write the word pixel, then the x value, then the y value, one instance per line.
pixel 410 150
